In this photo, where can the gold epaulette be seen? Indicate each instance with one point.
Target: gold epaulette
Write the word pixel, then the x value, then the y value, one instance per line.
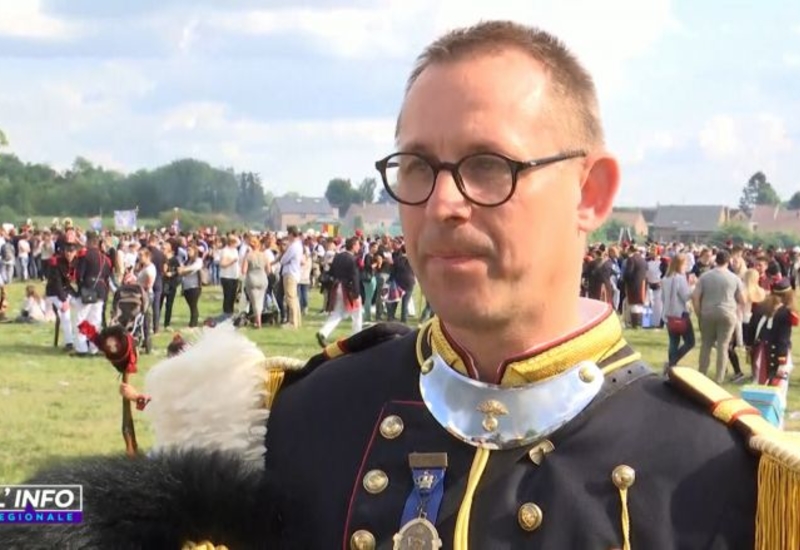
pixel 778 511
pixel 274 372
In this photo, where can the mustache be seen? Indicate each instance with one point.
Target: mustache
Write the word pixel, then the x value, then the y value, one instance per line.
pixel 439 243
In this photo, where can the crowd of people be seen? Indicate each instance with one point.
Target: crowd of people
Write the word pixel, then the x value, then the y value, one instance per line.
pixel 265 277
pixel 743 298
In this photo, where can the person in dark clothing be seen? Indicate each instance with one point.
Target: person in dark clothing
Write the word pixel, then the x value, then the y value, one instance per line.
pixel 59 291
pixel 159 260
pixel 598 279
pixel 403 276
pixel 171 281
pixel 191 283
pixel 93 270
pixel 773 335
pixel 634 278
pixel 371 262
pixel 382 277
pixel 344 297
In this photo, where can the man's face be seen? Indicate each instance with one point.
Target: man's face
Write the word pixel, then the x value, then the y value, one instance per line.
pixel 487 266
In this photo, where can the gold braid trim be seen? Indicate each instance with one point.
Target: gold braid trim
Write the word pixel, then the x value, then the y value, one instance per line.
pixel 778 513
pixel 204 545
pixel 274 370
pixel 273 382
pixel 597 342
pixel 441 345
pixel 461 536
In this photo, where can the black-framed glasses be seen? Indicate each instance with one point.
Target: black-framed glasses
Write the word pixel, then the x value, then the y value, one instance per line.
pixel 485 179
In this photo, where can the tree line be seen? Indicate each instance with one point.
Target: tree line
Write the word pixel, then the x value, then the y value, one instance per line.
pixel 86 189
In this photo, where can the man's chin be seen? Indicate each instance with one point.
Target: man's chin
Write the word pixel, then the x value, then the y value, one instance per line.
pixel 466 309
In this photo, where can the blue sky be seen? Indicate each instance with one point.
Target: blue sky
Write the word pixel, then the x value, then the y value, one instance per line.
pixel 696 96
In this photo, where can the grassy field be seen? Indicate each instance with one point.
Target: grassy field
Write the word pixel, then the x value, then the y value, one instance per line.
pixel 52 405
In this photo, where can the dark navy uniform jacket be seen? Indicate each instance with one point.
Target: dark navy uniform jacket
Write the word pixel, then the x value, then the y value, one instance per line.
pixel 695 485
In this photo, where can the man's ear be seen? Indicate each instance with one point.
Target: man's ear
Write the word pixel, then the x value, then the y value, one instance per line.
pixel 599 187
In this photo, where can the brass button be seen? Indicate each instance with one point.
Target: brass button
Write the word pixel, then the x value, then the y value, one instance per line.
pixel 586 374
pixel 362 540
pixel 530 516
pixel 623 476
pixel 375 481
pixel 427 366
pixel 392 426
pixel 538 451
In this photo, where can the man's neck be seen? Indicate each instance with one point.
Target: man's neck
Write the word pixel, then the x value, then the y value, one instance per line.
pixel 488 349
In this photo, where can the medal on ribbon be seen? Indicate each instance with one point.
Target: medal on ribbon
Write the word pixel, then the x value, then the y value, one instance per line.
pixel 418 524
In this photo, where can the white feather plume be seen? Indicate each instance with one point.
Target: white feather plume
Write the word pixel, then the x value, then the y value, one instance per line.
pixel 211 396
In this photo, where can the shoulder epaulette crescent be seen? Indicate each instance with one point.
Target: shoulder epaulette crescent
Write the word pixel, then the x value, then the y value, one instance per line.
pixel 778 510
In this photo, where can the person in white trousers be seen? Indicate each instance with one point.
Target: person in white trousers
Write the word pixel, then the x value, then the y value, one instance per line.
pixel 654 296
pixel 59 291
pixel 93 268
pixel 344 299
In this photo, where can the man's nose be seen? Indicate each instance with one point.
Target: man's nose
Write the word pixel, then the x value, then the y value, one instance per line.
pixel 447 201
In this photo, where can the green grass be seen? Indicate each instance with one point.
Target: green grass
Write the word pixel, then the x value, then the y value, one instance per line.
pixel 52 405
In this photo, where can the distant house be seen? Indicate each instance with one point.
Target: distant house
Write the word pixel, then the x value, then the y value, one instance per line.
pixel 371 218
pixel 649 215
pixel 300 211
pixel 688 223
pixel 775 219
pixel 738 216
pixel 633 219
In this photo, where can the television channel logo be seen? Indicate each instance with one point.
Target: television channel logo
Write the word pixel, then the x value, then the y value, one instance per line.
pixel 41 504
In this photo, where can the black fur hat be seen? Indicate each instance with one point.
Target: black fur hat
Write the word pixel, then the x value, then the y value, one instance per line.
pixel 162 501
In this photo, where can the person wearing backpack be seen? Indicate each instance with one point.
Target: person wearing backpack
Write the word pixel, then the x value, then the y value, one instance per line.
pixel 93 269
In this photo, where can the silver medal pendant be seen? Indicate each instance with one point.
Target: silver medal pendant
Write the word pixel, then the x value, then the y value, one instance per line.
pixel 417 534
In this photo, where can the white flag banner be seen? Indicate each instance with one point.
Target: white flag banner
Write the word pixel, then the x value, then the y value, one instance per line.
pixel 125 220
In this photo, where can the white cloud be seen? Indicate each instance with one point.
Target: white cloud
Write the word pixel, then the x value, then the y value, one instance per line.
pixel 97 120
pixel 738 146
pixel 719 138
pixel 400 28
pixel 25 19
pixel 760 136
pixel 289 154
pixel 657 141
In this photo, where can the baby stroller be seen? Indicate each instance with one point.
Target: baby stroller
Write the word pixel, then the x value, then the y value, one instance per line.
pixel 131 307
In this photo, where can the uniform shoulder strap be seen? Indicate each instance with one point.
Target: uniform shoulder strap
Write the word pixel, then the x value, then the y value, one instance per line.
pixel 778 510
pixel 361 341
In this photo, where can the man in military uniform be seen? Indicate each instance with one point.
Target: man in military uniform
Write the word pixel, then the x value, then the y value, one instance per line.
pixel 59 290
pixel 519 417
pixel 92 271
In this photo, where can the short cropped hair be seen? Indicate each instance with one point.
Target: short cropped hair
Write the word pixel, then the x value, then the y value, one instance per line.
pixel 572 91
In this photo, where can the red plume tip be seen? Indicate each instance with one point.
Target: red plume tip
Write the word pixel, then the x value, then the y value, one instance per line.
pixel 88 330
